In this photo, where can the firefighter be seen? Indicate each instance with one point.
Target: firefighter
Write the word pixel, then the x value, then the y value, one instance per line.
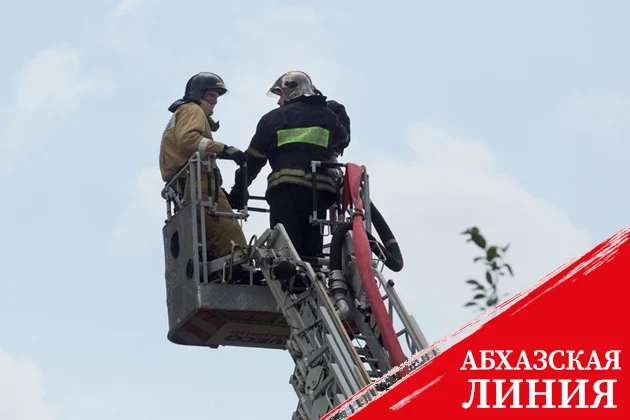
pixel 303 129
pixel 190 130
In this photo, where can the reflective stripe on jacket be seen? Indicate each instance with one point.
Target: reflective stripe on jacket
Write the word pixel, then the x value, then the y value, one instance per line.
pixel 290 137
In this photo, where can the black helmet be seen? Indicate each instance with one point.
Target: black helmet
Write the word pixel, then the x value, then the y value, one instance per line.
pixel 198 84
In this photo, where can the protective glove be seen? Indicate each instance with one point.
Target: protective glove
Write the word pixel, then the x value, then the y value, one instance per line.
pixel 236 199
pixel 344 119
pixel 235 154
pixel 337 108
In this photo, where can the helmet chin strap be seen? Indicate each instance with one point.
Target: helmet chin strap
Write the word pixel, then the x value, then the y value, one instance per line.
pixel 214 125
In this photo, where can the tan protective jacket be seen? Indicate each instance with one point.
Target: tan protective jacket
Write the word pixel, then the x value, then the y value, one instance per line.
pixel 187 132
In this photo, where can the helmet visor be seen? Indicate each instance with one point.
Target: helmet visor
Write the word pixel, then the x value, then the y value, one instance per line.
pixel 274 93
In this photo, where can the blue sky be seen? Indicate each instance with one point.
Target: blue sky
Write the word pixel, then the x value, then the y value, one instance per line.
pixel 509 117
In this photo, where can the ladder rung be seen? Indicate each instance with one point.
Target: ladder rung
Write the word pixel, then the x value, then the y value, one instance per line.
pixel 306 329
pixel 297 301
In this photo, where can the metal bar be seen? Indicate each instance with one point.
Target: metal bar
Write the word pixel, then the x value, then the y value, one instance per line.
pixel 391 311
pixel 195 237
pixel 306 329
pixel 330 165
pixel 342 382
pixel 314 189
pixel 198 170
pixel 423 339
pixel 245 188
pixel 342 355
pixel 400 309
pixel 177 176
pixel 202 222
pixel 322 387
pixel 297 301
pixel 215 170
pixel 169 213
pixel 227 214
pixel 258 209
pixel 338 327
pixel 299 394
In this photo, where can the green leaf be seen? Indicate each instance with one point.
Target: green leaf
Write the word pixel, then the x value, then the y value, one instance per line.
pixel 471 231
pixel 492 253
pixel 480 287
pixel 479 296
pixel 473 281
pixel 479 241
pixel 492 301
pixel 470 304
pixel 489 278
pixel 478 258
pixel 505 248
pixel 509 269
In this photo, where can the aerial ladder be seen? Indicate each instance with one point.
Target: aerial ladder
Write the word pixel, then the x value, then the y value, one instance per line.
pixel 337 316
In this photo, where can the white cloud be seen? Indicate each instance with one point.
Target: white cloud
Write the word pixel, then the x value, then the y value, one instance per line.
pixel 22 390
pixel 450 185
pixel 126 33
pixel 51 82
pixel 126 6
pixel 144 216
pixel 304 50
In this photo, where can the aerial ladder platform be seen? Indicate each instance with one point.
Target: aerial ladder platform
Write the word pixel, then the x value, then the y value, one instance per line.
pixel 337 315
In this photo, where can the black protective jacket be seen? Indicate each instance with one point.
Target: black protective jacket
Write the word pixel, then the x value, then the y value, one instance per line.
pixel 290 137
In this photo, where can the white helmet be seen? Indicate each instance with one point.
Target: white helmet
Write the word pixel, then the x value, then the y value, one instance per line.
pixel 292 85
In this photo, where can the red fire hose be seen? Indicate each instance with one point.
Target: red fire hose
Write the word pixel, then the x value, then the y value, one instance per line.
pixel 363 254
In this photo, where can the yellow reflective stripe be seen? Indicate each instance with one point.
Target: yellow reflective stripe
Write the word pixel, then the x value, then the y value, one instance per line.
pixel 302 182
pixel 311 135
pixel 300 173
pixel 303 178
pixel 203 144
pixel 255 153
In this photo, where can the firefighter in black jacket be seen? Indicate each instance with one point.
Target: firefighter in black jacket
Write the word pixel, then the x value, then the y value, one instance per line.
pixel 304 128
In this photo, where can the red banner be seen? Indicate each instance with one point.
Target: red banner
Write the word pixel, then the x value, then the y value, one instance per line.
pixel 556 351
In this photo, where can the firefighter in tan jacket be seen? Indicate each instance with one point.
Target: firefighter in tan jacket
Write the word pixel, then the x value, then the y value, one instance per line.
pixel 190 130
